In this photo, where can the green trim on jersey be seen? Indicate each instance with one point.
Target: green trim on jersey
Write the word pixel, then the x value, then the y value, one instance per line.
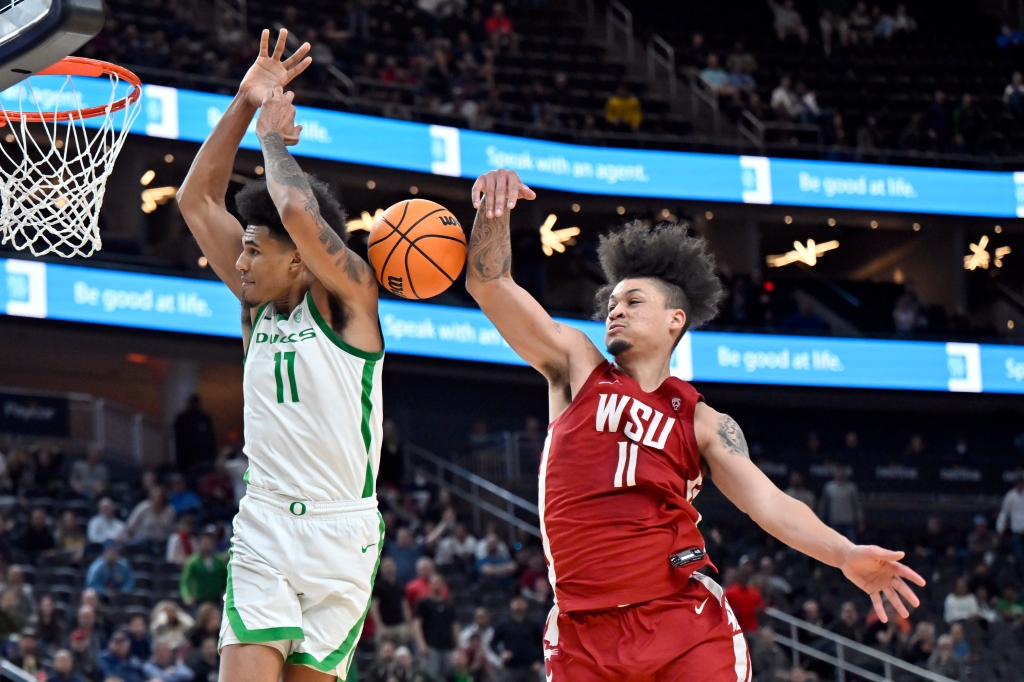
pixel 366 400
pixel 259 316
pixel 247 636
pixel 343 654
pixel 337 340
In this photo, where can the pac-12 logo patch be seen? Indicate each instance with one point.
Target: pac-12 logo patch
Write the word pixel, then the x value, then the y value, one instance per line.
pixel 676 403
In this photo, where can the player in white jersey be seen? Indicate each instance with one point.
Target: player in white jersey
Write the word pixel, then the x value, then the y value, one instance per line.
pixel 307 537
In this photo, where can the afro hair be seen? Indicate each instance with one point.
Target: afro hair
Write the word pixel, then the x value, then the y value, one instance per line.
pixel 256 207
pixel 669 254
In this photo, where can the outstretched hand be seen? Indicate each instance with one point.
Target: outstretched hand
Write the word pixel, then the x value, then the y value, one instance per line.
pixel 499 190
pixel 269 71
pixel 277 115
pixel 878 571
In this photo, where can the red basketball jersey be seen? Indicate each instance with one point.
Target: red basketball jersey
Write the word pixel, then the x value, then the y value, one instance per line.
pixel 617 478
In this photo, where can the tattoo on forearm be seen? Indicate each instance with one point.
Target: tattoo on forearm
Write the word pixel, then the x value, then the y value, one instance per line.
pixel 490 247
pixel 732 436
pixel 282 169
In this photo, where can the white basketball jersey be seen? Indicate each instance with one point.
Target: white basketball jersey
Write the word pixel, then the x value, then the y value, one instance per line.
pixel 312 408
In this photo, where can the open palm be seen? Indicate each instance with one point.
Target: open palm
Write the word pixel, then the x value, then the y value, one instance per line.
pixel 269 71
pixel 878 571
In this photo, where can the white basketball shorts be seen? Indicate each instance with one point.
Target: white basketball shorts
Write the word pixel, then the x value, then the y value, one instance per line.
pixel 300 575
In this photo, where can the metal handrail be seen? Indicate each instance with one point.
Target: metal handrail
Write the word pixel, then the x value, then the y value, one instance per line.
pixel 752 128
pixel 455 469
pixel 661 53
pixel 472 496
pixel 617 16
pixel 701 92
pixel 239 10
pixel 889 662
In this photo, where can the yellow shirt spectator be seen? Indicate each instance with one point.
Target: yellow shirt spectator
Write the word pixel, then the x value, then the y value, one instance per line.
pixel 624 108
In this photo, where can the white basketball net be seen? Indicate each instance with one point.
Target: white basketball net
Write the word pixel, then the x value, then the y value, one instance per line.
pixel 54 175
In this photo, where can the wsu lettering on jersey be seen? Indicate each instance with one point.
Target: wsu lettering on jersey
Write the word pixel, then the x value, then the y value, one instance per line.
pixel 618 476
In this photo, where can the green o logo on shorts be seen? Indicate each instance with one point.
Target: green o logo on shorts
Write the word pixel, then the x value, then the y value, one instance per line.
pixel 297 508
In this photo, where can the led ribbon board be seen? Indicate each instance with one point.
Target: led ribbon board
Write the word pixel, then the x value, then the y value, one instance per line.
pixel 186 115
pixel 194 306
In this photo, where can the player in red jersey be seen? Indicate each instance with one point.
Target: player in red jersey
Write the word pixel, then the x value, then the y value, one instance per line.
pixel 626 450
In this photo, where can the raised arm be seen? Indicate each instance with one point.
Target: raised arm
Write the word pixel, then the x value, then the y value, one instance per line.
pixel 875 570
pixel 201 196
pixel 564 355
pixel 336 266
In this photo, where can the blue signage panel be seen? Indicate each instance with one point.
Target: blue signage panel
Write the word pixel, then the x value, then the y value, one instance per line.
pixel 441 150
pixel 178 304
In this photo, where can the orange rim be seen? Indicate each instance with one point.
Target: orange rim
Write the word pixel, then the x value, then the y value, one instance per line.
pixel 81 66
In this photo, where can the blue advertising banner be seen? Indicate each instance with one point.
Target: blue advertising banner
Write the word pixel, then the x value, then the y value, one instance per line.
pixel 179 304
pixel 337 136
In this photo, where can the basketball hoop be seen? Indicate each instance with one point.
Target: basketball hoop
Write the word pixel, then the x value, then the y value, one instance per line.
pixel 56 161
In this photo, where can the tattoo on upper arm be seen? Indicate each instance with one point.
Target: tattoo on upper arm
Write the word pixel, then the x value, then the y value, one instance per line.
pixel 732 436
pixel 490 247
pixel 283 170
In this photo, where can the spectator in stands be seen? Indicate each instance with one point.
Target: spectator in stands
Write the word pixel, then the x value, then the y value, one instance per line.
pixel 903 23
pixel 27 654
pixel 456 549
pixel 169 623
pixel 105 525
pixel 797 490
pixel 205 574
pixel 961 647
pixel 788 22
pixel 194 440
pixel 181 543
pixel 938 122
pixel 745 599
pixel 117 661
pixel 89 629
pixel 1009 37
pixel 1013 95
pixel 435 628
pixel 784 101
pixel 774 588
pixel 623 111
pixel 166 665
pixel 495 569
pixel 741 60
pixel 110 573
pixel 499 28
pixel 840 505
pixel 404 551
pixel 767 659
pixel 217 490
pixel 969 123
pixel 49 623
pixel 152 521
pixel 481 627
pixel 419 587
pixel 392 455
pixel 35 538
pixel 716 78
pixel 960 604
pixel 138 633
pixel 833 21
pixel 870 137
pixel 389 609
pixel 24 595
pixel 80 643
pixel 981 540
pixel 1011 518
pixel 921 645
pixel 861 26
pixel 10 622
pixel 1010 606
pixel 695 54
pixel 90 477
pixel 810 112
pixel 518 641
pixel 64 668
pixel 182 499
pixel 70 538
pixel 385 667
pixel 848 624
pixel 206 665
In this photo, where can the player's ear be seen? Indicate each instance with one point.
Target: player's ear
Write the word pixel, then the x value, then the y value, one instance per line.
pixel 296 262
pixel 676 320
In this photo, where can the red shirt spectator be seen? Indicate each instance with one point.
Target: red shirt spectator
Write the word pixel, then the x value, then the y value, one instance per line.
pixel 746 603
pixel 498 22
pixel 419 587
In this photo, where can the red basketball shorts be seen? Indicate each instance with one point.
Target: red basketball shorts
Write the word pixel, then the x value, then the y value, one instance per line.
pixel 689 636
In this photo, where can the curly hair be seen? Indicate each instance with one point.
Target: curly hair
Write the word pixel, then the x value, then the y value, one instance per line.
pixel 669 254
pixel 256 207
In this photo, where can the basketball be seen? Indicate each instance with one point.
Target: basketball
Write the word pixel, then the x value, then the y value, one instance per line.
pixel 417 249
